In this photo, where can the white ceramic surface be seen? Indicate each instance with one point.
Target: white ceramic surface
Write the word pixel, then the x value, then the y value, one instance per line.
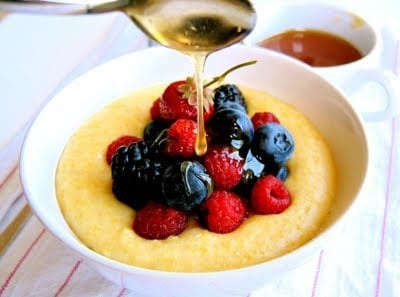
pixel 285 78
pixel 358 29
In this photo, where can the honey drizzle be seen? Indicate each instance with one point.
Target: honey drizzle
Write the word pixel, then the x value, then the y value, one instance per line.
pixel 199 60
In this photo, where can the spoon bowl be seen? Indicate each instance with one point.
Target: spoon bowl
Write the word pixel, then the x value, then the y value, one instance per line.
pixel 193 25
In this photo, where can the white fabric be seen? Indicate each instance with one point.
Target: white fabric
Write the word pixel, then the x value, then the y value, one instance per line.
pixel 31 73
pixel 363 258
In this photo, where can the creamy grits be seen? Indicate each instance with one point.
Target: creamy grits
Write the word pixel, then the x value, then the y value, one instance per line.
pixel 101 222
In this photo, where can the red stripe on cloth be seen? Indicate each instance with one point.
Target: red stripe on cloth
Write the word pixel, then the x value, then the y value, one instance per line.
pixel 122 292
pixel 20 261
pixel 317 272
pixel 68 279
pixel 385 212
pixel 3 182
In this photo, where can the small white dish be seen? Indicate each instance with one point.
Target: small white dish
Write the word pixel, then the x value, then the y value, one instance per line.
pixel 361 31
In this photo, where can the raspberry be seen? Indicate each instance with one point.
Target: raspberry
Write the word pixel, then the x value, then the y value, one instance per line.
pixel 179 102
pixel 222 212
pixel 181 138
pixel 224 165
pixel 124 140
pixel 261 118
pixel 157 221
pixel 155 109
pixel 269 196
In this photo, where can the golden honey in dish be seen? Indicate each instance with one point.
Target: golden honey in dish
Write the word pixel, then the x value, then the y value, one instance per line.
pixel 313 47
pixel 104 224
pixel 196 28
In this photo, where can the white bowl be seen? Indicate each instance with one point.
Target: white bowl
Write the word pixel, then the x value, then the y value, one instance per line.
pixel 283 77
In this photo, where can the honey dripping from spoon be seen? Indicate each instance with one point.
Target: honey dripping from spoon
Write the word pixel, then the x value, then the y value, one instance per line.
pixel 196 28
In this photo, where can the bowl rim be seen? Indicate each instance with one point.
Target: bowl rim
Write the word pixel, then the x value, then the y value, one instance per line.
pixel 300 254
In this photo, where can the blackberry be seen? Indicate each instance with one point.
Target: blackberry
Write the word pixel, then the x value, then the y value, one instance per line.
pixel 186 185
pixel 229 96
pixel 136 174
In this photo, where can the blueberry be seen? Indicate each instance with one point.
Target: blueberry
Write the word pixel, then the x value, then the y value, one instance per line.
pixel 185 185
pixel 231 127
pixel 252 170
pixel 231 105
pixel 279 171
pixel 282 173
pixel 229 96
pixel 153 129
pixel 272 144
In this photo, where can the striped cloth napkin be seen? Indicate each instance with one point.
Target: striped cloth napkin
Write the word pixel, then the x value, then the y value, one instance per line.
pixel 362 259
pixel 39 55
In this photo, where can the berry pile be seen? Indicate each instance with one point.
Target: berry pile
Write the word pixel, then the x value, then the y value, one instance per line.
pixel 160 176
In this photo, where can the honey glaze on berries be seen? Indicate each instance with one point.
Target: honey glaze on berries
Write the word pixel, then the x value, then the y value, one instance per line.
pixel 84 188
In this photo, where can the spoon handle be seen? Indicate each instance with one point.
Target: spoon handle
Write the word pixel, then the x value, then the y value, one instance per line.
pixel 61 6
